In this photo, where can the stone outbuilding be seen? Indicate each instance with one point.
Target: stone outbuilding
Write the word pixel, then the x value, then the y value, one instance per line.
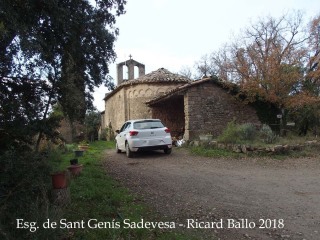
pixel 202 107
pixel 188 108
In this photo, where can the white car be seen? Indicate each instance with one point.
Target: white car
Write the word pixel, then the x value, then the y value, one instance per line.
pixel 143 134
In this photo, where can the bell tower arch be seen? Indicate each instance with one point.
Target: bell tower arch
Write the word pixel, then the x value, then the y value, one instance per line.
pixel 131 64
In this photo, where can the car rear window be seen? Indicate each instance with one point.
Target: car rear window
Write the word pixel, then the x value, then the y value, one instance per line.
pixel 147 125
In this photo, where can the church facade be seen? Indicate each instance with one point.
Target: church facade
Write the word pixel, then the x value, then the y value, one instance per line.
pixel 188 108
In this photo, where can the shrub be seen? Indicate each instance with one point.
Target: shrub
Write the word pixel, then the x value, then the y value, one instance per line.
pixel 247 131
pixel 24 188
pixel 266 134
pixel 231 134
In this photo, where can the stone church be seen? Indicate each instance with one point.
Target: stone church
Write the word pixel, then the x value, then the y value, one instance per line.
pixel 188 108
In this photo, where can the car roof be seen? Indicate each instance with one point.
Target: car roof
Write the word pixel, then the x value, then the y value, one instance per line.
pixel 147 119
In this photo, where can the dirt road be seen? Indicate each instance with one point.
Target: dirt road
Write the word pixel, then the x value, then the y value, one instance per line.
pixel 246 198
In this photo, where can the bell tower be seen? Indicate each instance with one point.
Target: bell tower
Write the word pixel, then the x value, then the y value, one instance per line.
pixel 131 64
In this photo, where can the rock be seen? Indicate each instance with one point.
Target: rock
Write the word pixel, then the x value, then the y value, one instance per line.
pixel 221 146
pixel 278 148
pixel 213 144
pixel 250 148
pixel 311 142
pixel 236 148
pixel 244 148
pixel 196 143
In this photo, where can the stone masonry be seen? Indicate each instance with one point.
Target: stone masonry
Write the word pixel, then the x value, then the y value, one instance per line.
pixel 208 109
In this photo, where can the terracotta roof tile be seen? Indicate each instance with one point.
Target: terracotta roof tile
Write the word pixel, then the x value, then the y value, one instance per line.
pixel 161 75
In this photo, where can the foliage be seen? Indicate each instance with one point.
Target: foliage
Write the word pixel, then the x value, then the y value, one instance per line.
pixel 22 105
pixel 267 113
pixel 266 134
pixel 231 134
pixel 235 133
pixel 92 123
pixel 267 59
pixel 24 194
pixel 96 196
pixel 247 131
pixel 305 118
pixel 273 59
pixel 67 44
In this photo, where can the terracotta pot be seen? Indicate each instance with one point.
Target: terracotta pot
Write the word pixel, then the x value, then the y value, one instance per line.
pixel 75 169
pixel 59 180
pixel 83 147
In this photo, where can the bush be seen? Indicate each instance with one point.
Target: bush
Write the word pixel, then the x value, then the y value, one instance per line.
pixel 234 133
pixel 266 134
pixel 247 131
pixel 25 184
pixel 231 134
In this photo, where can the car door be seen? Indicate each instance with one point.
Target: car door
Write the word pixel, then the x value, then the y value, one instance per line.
pixel 121 137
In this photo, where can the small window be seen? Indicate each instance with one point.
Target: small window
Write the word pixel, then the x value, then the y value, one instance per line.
pixel 147 125
pixel 127 126
pixel 123 127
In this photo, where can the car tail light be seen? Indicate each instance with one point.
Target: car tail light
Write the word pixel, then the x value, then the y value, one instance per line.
pixel 167 130
pixel 133 133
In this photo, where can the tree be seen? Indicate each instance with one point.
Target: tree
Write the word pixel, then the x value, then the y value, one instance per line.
pixel 307 116
pixel 312 82
pixel 186 71
pixel 68 44
pixel 204 67
pixel 22 104
pixel 268 61
pixel 92 123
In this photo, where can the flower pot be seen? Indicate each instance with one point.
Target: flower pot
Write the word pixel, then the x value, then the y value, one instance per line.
pixel 74 161
pixel 78 153
pixel 83 147
pixel 59 180
pixel 75 169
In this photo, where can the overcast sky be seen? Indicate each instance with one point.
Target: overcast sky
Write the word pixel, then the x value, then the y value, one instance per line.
pixel 176 33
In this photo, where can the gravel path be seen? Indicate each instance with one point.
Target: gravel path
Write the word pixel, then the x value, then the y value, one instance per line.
pixel 284 194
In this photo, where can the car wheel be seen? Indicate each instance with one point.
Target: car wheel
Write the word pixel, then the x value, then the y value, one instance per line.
pixel 117 149
pixel 167 150
pixel 129 153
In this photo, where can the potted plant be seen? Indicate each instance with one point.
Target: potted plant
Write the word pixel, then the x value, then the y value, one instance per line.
pixel 74 161
pixel 78 153
pixel 83 145
pixel 59 179
pixel 75 169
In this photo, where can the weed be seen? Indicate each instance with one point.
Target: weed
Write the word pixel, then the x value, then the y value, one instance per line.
pixel 230 134
pixel 95 195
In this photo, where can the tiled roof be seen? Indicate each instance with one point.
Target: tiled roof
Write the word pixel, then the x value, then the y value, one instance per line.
pixel 229 86
pixel 161 75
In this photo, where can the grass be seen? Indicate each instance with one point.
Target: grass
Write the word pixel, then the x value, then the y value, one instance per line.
pixel 95 195
pixel 307 151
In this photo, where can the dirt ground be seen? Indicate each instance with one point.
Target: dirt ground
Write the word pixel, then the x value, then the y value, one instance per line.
pixel 281 195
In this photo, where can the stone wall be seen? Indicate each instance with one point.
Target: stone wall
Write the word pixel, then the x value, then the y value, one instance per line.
pixel 129 102
pixel 208 109
pixel 247 149
pixel 115 110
